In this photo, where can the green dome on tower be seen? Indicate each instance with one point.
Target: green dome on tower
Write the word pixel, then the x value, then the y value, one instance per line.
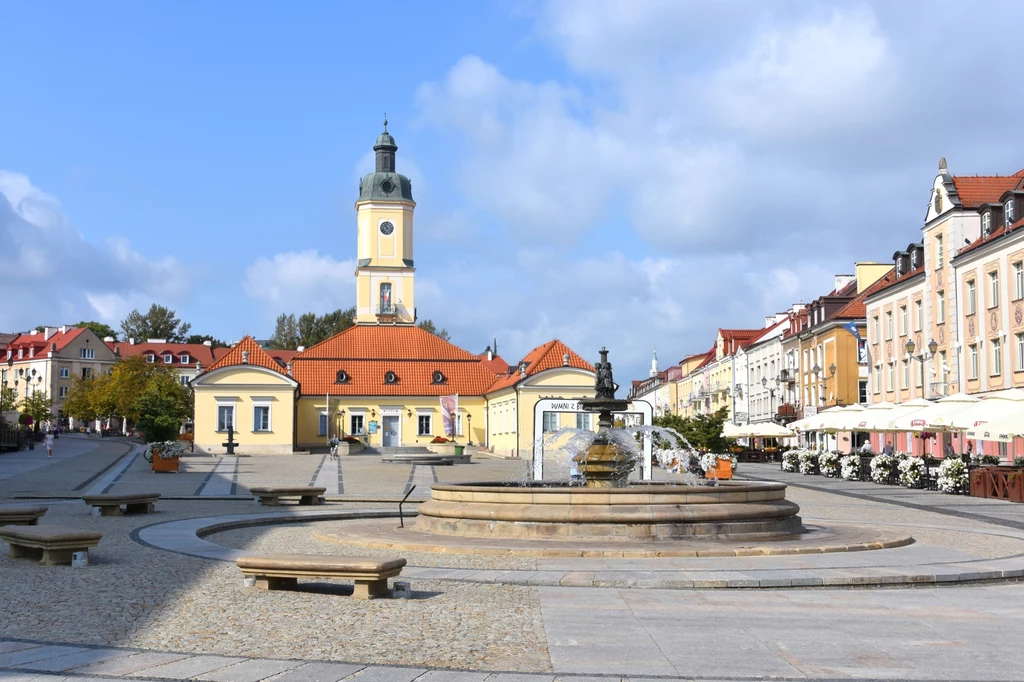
pixel 384 184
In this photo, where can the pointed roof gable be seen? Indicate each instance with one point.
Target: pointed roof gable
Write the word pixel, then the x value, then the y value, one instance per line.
pixel 257 356
pixel 549 356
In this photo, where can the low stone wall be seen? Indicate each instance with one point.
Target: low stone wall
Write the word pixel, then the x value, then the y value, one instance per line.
pixel 345 449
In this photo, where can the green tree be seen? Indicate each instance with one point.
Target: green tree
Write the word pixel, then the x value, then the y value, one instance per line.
pixel 286 333
pixel 88 399
pixel 310 329
pixel 101 330
pixel 158 323
pixel 8 401
pixel 162 408
pixel 429 326
pixel 702 431
pixel 202 338
pixel 37 405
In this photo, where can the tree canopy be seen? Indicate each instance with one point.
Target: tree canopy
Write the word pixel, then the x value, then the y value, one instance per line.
pixel 202 338
pixel 309 328
pixel 37 405
pixel 158 323
pixel 703 431
pixel 8 401
pixel 428 325
pixel 101 330
pixel 145 393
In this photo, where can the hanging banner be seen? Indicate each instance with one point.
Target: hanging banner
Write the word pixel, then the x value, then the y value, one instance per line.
pixel 449 408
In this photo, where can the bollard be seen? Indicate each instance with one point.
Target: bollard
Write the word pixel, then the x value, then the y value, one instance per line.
pixel 79 559
pixel 402 590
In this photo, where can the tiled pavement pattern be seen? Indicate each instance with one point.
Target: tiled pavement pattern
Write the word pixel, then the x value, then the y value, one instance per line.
pixel 952 633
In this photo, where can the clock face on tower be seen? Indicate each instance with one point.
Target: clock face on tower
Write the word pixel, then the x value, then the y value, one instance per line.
pixel 386 228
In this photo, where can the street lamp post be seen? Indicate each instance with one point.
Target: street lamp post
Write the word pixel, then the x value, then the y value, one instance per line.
pixel 771 393
pixel 469 427
pixel 910 347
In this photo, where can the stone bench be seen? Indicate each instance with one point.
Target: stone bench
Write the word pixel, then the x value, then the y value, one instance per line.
pixel 134 503
pixel 52 545
pixel 22 515
pixel 282 571
pixel 271 496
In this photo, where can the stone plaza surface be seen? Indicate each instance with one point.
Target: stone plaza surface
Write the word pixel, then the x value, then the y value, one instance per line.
pixel 146 612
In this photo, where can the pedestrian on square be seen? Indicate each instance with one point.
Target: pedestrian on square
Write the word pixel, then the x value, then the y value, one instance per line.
pixel 888 449
pixel 334 443
pixel 49 443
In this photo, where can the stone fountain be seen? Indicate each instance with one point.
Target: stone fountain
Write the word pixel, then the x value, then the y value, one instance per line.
pixel 607 506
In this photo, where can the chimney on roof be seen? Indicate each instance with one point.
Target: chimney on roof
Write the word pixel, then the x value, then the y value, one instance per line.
pixel 522 370
pixel 156 340
pixel 565 360
pixel 117 350
pixel 490 353
pixel 245 357
pixel 53 349
pixel 208 343
pixel 288 369
pixel 63 329
pixel 301 348
pixel 199 366
pixel 131 341
pixel 108 339
pixel 48 332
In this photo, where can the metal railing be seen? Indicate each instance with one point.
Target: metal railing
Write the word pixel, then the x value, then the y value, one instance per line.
pixel 387 310
pixel 938 389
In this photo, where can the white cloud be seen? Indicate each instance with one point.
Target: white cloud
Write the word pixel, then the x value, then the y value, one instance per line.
pixel 60 277
pixel 300 281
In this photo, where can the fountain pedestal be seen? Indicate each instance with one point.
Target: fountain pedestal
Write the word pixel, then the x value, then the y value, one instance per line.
pixel 603 464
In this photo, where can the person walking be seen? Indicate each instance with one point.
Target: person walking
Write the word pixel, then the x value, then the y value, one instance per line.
pixel 49 443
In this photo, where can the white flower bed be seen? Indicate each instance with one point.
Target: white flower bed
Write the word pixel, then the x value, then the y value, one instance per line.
pixel 881 467
pixel 828 463
pixel 850 467
pixel 790 460
pixel 167 449
pixel 952 476
pixel 911 470
pixel 808 463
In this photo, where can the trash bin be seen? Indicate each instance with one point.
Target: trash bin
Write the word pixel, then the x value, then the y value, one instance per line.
pixel 459 449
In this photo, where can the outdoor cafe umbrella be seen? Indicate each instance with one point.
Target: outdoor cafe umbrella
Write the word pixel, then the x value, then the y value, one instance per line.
pixel 932 418
pixel 756 430
pixel 992 408
pixel 817 422
pixel 879 417
pixel 847 418
pixel 1002 430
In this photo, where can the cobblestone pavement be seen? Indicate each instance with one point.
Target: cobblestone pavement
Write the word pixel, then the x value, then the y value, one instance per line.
pixel 142 612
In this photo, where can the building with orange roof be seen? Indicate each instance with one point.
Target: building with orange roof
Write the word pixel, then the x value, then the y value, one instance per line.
pixel 383 381
pixel 50 359
pixel 186 359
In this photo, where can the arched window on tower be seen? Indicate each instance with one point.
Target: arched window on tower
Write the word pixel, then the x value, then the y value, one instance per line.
pixel 386 305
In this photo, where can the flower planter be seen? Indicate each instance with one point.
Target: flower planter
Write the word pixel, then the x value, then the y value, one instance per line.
pixel 997 482
pixel 722 470
pixel 161 464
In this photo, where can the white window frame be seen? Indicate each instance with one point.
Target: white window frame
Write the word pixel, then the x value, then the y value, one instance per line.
pixel 1019 366
pixel 918 315
pixel 220 422
pixel 1008 212
pixel 986 223
pixel 150 358
pixel 892 376
pixel 888 325
pixel 939 252
pixel 258 427
pixel 549 418
pixel 168 358
pixel 185 381
pixel 972 297
pixel 352 428
pixel 993 286
pixel 906 374
pixel 997 357
pixel 878 378
pixel 65 372
pixel 63 393
pixel 941 316
pixel 87 354
pixel 904 320
pixel 186 358
pixel 583 421
pixel 876 337
pixel 942 366
pixel 972 361
pixel 420 431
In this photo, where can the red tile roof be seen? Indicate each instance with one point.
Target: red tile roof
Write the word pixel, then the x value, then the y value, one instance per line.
pixel 975 190
pixel 257 356
pixel 496 364
pixel 541 358
pixel 196 352
pixel 398 342
pixel 41 345
pixel 855 309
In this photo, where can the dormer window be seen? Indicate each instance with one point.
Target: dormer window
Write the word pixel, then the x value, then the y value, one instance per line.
pixel 986 223
pixel 899 267
pixel 150 357
pixel 913 259
pixel 1008 210
pixel 341 377
pixel 168 359
pixel 186 358
pixel 439 377
pixel 390 378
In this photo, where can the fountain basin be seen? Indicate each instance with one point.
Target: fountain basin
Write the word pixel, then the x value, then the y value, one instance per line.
pixel 647 511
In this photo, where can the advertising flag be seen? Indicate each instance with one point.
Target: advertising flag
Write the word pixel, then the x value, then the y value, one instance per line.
pixel 449 408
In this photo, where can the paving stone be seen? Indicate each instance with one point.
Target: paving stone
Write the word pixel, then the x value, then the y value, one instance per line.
pixel 129 664
pixel 189 667
pixel 387 674
pixel 518 677
pixel 319 672
pixel 73 660
pixel 249 671
pixel 7 646
pixel 16 658
pixel 452 676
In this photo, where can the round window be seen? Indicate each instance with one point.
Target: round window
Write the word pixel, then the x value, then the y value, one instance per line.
pixel 390 378
pixel 438 377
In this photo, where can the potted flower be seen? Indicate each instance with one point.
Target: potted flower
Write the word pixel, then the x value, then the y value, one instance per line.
pixel 163 455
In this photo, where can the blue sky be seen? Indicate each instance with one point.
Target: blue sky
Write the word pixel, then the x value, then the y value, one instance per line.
pixel 606 172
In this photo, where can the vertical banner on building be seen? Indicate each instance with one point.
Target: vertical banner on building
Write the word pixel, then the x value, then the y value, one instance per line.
pixel 449 408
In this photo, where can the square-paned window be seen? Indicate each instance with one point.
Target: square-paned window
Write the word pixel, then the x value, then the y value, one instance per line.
pixel 993 289
pixel 918 316
pixel 939 253
pixel 1008 212
pixel 1018 280
pixel 1019 360
pixel 888 326
pixel 356 425
pixel 150 357
pixel 940 314
pixel 86 372
pixel 86 353
pixel 550 421
pixel 225 417
pixel 906 374
pixel 65 372
pixel 972 297
pixel 168 359
pixel 862 392
pixel 63 391
pixel 583 421
pixel 261 417
pixel 997 357
pixel 972 361
pixel 878 379
pixel 423 426
pixel 986 223
pixel 185 358
pixel 903 320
